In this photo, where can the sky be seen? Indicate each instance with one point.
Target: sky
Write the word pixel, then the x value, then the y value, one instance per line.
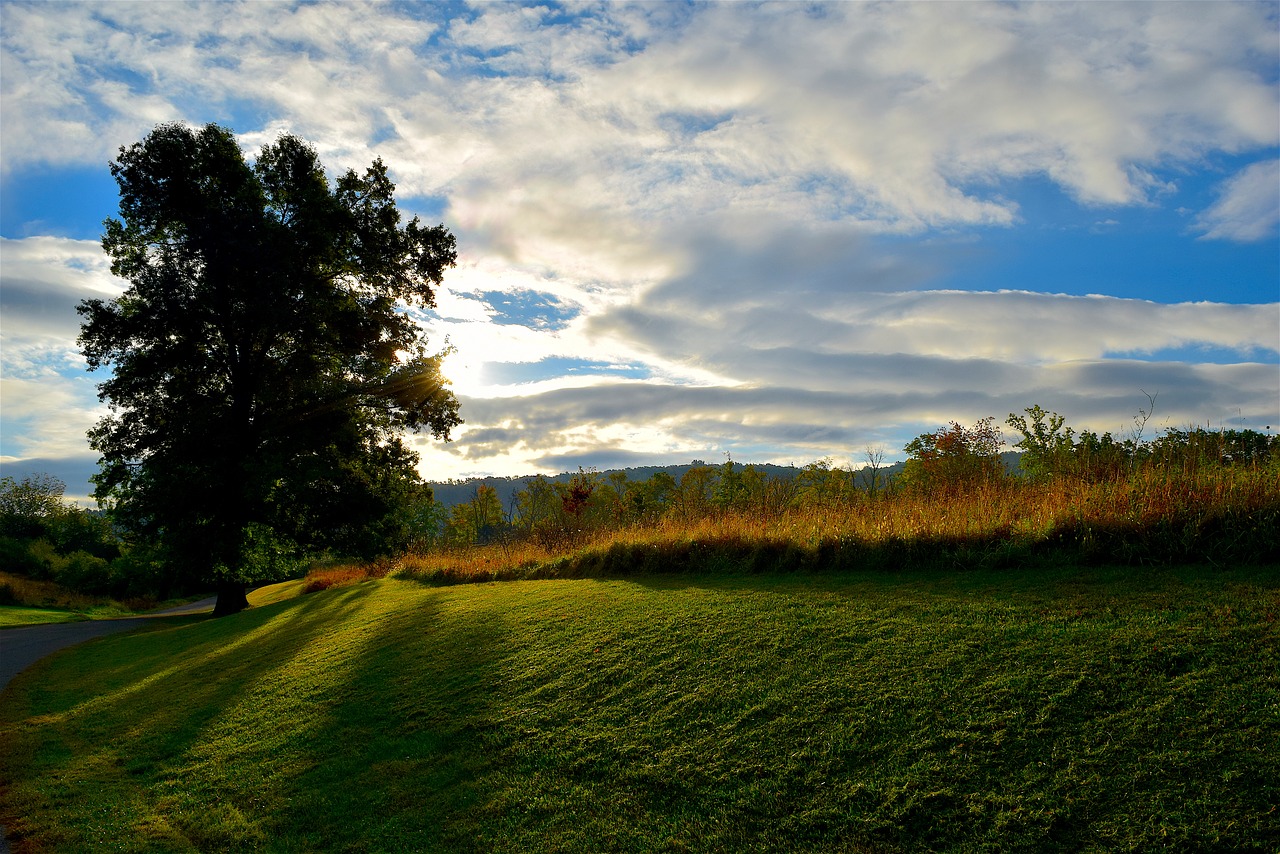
pixel 767 232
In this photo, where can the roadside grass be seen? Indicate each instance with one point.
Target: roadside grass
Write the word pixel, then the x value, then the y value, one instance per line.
pixel 27 601
pixel 20 591
pixel 19 615
pixel 1106 708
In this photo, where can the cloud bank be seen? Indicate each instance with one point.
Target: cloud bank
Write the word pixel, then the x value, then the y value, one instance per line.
pixel 705 228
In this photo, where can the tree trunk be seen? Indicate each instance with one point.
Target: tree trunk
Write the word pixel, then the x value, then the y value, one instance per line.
pixel 232 598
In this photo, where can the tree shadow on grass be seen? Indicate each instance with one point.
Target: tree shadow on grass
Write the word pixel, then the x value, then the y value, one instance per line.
pixel 132 710
pixel 315 724
pixel 392 717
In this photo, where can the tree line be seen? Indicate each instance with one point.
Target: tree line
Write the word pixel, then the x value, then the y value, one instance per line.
pixel 42 536
pixel 950 460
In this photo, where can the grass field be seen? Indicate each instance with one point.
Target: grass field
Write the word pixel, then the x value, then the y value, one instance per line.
pixel 12 616
pixel 1061 709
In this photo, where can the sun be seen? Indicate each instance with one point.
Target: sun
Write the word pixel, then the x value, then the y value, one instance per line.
pixel 465 374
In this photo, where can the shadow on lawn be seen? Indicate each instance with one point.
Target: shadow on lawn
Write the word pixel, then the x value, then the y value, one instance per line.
pixel 388 716
pixel 322 714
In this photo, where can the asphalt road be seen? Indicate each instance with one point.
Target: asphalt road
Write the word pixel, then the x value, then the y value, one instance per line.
pixel 22 647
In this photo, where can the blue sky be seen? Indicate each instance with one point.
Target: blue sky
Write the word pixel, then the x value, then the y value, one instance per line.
pixel 784 232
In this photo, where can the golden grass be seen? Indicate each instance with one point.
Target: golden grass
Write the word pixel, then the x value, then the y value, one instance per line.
pixel 1011 512
pixel 345 574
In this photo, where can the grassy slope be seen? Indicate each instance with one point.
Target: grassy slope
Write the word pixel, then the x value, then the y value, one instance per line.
pixel 1113 709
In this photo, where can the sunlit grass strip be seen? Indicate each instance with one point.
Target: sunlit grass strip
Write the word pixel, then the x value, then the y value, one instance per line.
pixel 1229 515
pixel 1061 710
pixel 11 616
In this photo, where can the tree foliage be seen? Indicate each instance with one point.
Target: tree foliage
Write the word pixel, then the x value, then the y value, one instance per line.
pixel 954 457
pixel 45 537
pixel 28 505
pixel 480 520
pixel 1046 446
pixel 264 365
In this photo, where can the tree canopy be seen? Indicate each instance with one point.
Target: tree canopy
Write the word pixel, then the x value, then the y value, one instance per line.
pixel 264 361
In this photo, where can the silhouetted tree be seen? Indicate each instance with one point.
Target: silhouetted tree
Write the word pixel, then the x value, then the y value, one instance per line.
pixel 263 364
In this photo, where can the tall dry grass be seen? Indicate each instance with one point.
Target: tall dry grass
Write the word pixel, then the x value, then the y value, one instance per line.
pixel 1154 516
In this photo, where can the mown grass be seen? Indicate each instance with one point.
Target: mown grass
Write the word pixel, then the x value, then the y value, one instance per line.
pixel 1105 708
pixel 17 615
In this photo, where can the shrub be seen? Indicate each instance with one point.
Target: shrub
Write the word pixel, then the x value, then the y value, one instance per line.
pixel 954 457
pixel 141 572
pixel 72 529
pixel 16 556
pixel 86 573
pixel 325 577
pixel 47 560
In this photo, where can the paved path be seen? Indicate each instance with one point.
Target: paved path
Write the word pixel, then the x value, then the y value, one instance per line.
pixel 22 647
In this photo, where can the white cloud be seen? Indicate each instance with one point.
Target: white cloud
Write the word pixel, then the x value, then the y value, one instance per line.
pixel 42 279
pixel 785 378
pixel 831 293
pixel 48 416
pixel 49 401
pixel 1248 206
pixel 636 423
pixel 702 189
pixel 900 114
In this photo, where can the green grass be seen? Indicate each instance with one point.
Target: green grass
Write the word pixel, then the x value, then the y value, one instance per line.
pixel 18 615
pixel 12 616
pixel 1066 709
pixel 273 593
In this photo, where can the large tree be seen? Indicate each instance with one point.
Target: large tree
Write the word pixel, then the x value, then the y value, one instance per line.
pixel 264 363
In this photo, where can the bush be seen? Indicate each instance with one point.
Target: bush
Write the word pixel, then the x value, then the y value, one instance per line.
pixel 16 557
pixel 143 572
pixel 324 577
pixel 86 573
pixel 47 560
pixel 953 458
pixel 74 530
